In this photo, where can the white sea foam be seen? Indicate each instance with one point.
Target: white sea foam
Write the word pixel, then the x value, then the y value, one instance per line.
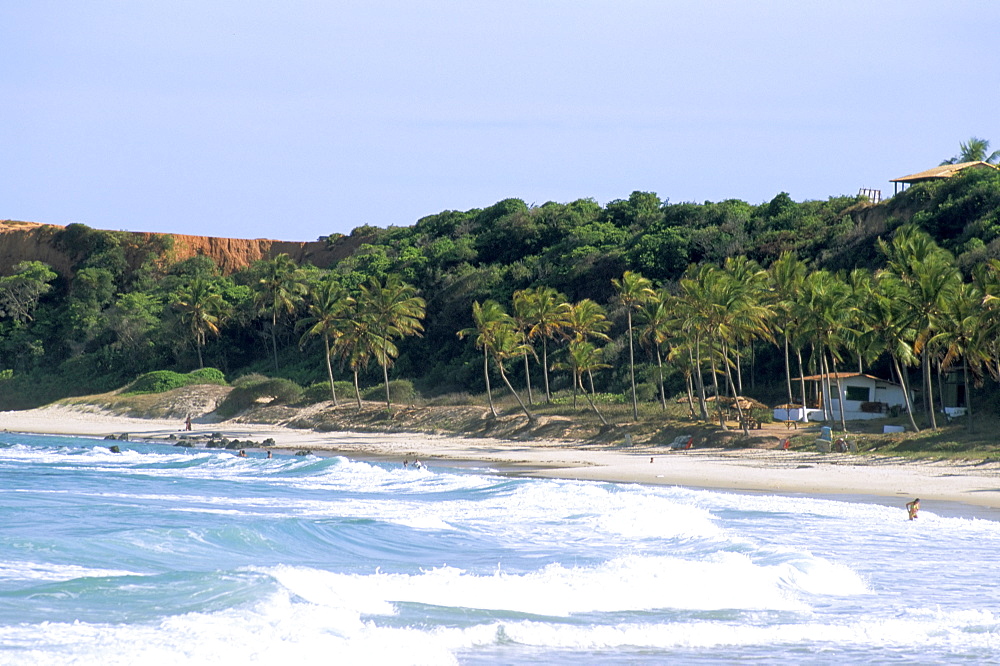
pixel 36 571
pixel 280 630
pixel 631 583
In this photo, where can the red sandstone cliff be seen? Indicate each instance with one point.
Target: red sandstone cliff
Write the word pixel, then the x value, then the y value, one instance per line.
pixel 29 241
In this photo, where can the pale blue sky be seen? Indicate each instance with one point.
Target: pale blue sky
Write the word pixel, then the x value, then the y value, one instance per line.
pixel 297 119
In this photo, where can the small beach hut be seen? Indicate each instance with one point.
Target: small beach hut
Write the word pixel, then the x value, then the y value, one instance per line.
pixel 938 173
pixel 864 397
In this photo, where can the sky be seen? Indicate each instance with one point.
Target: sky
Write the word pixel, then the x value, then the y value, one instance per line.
pixel 298 119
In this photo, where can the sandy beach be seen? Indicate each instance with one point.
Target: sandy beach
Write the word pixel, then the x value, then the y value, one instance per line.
pixel 784 472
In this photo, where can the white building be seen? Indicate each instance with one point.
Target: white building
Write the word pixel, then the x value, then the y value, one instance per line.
pixel 864 397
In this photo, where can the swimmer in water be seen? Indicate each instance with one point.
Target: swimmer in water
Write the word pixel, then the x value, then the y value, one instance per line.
pixel 913 507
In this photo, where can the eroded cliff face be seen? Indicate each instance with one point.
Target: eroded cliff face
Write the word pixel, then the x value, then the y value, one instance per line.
pixel 29 241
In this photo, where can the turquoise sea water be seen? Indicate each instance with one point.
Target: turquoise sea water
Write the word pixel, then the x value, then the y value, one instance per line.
pixel 162 555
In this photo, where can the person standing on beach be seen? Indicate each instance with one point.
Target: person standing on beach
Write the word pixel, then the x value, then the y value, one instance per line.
pixel 913 507
pixel 187 422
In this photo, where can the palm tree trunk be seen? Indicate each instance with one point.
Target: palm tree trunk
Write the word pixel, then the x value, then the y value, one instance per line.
pixel 788 372
pixel 906 392
pixel 689 383
pixel 968 396
pixel 824 381
pixel 659 365
pixel 592 405
pixel 545 369
pixel 486 376
pixel 736 399
pixel 198 345
pixel 715 385
pixel 840 395
pixel 802 380
pixel 385 377
pixel 274 338
pixel 357 389
pixel 329 368
pixel 527 378
pixel 573 372
pixel 699 379
pixel 940 383
pixel 739 370
pixel 524 408
pixel 631 368
pixel 929 386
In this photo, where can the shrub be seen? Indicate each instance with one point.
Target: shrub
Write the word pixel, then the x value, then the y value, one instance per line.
pixel 248 380
pixel 160 381
pixel 208 376
pixel 647 392
pixel 320 391
pixel 400 390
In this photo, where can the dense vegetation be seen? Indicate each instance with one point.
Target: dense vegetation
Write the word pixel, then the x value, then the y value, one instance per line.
pixel 642 298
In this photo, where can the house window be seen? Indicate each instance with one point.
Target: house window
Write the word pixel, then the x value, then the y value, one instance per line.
pixel 859 393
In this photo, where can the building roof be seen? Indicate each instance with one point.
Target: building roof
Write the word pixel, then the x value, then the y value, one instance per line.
pixel 943 171
pixel 845 375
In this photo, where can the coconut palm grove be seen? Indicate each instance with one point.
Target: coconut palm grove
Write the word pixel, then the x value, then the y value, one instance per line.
pixel 645 304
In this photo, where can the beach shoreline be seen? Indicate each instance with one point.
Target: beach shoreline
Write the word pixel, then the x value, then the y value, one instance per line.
pixel 865 477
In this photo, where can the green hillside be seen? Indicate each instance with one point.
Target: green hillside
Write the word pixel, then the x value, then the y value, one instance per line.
pixel 712 291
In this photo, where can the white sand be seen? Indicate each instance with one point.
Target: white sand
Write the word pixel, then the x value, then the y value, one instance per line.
pixel 783 472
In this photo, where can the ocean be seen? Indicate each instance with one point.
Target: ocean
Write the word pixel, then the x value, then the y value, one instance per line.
pixel 164 555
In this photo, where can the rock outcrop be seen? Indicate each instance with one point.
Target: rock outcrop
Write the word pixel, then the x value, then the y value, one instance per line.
pixel 30 241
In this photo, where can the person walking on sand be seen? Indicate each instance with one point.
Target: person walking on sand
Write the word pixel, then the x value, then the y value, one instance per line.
pixel 187 422
pixel 913 507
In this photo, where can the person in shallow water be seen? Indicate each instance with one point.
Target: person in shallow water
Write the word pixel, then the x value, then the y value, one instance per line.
pixel 913 507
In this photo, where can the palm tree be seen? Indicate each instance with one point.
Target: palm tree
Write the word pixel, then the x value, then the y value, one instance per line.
pixel 752 282
pixel 974 150
pixel 633 290
pixel 547 311
pixel 787 274
pixel 487 318
pixel 356 343
pixel 585 320
pixel 881 315
pixel 389 310
pixel 927 278
pixel 737 312
pixel 522 319
pixel 961 335
pixel 279 291
pixel 202 311
pixel 656 324
pixel 584 357
pixel 329 307
pixel 693 307
pixel 987 279
pixel 507 343
pixel 829 301
pixel 498 337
